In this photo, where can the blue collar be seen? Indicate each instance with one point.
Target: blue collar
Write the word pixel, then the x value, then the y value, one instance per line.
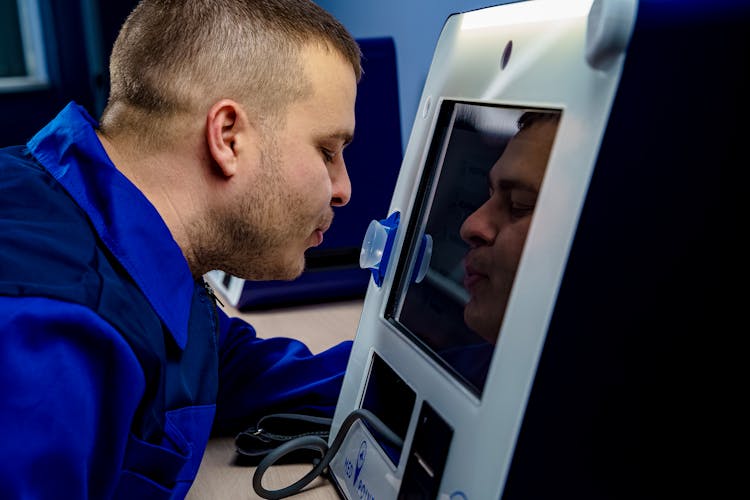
pixel 125 220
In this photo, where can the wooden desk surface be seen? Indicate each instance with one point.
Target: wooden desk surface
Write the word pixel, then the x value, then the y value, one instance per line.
pixel 319 326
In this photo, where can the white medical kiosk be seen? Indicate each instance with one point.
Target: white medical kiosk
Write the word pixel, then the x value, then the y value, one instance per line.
pixel 549 403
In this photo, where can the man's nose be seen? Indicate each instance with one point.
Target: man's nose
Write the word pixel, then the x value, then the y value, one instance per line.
pixel 478 229
pixel 341 191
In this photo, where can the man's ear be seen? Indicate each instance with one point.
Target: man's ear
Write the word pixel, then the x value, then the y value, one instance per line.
pixel 227 126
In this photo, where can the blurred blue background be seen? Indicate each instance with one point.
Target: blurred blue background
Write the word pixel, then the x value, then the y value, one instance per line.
pixel 78 34
pixel 76 37
pixel 415 27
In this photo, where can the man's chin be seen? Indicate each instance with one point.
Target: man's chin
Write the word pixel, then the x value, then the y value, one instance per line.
pixel 293 274
pixel 478 321
pixel 276 271
pixel 287 273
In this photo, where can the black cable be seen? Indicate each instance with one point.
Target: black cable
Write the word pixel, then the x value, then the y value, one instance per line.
pixel 317 444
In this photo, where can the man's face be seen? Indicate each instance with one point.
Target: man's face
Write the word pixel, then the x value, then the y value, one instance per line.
pixel 287 207
pixel 496 231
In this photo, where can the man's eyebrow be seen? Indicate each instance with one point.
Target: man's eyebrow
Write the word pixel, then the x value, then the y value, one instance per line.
pixel 343 135
pixel 510 184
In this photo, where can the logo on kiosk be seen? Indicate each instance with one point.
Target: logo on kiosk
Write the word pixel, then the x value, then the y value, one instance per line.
pixel 360 461
pixel 354 469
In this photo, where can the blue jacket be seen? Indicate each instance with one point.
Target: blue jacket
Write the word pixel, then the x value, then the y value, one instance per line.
pixel 114 362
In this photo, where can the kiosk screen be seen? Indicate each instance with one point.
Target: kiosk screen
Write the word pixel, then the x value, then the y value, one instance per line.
pixel 476 199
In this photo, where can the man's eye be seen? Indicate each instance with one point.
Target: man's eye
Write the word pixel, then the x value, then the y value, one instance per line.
pixel 327 155
pixel 520 210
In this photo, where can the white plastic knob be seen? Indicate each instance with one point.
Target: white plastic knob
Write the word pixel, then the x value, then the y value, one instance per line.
pixel 373 246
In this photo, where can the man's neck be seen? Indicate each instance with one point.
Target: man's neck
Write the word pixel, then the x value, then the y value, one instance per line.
pixel 166 182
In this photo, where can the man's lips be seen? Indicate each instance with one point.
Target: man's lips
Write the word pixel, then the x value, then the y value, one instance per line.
pixel 317 234
pixel 472 276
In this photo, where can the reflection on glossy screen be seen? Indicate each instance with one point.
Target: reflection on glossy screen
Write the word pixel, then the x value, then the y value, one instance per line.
pixel 484 172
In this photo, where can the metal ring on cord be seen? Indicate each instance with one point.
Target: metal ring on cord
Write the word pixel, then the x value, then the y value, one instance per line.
pixel 317 444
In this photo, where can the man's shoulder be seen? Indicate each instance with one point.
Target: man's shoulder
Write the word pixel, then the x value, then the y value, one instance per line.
pixel 14 161
pixel 9 152
pixel 45 239
pixel 50 249
pixel 21 175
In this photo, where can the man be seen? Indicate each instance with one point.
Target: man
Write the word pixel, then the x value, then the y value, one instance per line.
pixel 496 231
pixel 220 148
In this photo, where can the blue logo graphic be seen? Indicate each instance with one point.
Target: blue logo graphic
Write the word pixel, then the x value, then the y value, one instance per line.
pixel 360 460
pixel 458 495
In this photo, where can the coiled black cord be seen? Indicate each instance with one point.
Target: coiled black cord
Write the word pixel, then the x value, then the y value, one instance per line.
pixel 316 443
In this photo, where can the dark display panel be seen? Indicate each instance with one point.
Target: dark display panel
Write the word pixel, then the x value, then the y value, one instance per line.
pixel 479 188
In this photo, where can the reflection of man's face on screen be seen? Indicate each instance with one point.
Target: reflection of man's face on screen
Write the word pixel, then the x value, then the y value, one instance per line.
pixel 496 231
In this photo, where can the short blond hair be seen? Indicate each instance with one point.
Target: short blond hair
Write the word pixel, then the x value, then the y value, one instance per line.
pixel 180 56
